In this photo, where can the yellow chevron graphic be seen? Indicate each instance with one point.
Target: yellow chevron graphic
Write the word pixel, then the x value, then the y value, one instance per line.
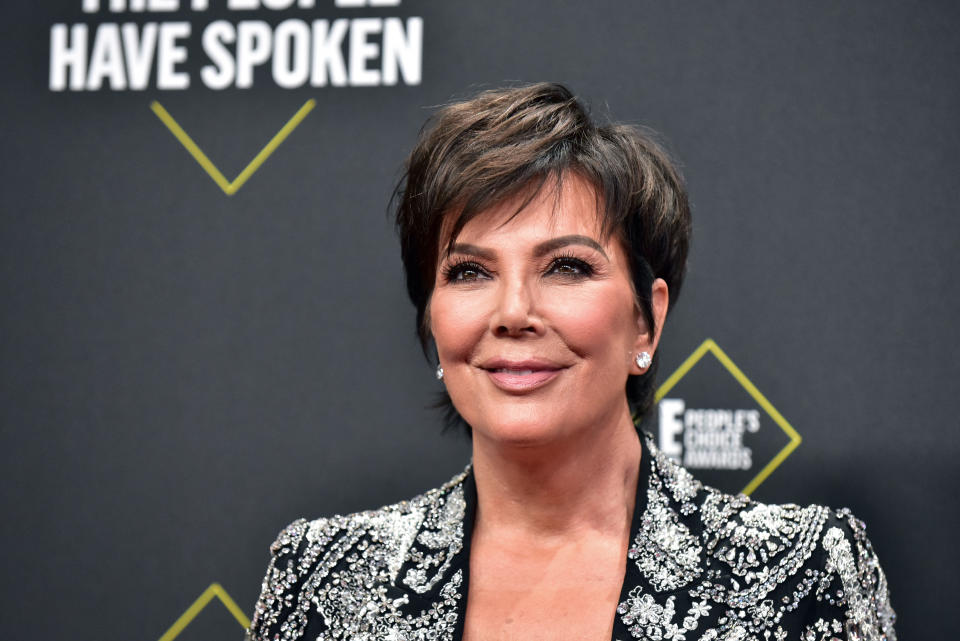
pixel 215 590
pixel 710 346
pixel 230 187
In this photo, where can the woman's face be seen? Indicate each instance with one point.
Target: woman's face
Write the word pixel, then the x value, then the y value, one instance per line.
pixel 535 320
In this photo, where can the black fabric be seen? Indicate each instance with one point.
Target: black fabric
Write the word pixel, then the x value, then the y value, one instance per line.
pixel 701 565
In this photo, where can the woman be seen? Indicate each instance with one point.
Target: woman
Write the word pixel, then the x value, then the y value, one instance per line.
pixel 542 253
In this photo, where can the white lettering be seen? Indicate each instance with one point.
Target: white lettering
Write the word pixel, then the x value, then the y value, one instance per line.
pixel 106 59
pixel 138 50
pixel 277 5
pixel 163 5
pixel 351 4
pixel 362 50
pixel 291 54
pixel 253 49
pixel 64 57
pixel 719 459
pixel 223 71
pixel 402 53
pixel 327 53
pixel 671 426
pixel 169 54
pixel 713 438
pixel 139 6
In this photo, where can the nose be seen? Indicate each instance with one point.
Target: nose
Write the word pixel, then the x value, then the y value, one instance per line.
pixel 516 314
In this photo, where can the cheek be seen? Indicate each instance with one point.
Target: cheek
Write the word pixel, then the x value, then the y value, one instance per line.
pixel 456 325
pixel 599 323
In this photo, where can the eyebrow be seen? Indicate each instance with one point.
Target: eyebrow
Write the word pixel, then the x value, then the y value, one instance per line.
pixel 542 249
pixel 554 244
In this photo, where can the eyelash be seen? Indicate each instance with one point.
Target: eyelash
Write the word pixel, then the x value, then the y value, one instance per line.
pixel 567 259
pixel 452 273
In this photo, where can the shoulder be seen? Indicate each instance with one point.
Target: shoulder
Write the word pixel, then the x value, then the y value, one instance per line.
pixel 325 558
pixel 734 525
pixel 773 566
pixel 851 565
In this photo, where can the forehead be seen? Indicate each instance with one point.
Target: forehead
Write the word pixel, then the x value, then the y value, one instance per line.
pixel 560 207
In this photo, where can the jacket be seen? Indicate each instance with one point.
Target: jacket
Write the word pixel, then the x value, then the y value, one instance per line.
pixel 702 566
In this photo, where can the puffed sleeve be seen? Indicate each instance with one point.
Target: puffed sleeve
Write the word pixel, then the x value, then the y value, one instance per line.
pixel 281 585
pixel 853 600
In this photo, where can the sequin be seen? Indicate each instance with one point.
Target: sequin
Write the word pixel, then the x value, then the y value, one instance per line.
pixel 703 566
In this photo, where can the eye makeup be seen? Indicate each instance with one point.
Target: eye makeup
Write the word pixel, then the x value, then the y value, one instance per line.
pixel 568 265
pixel 562 264
pixel 463 270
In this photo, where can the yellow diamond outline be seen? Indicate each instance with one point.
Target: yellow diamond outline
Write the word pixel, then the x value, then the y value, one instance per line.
pixel 215 590
pixel 230 187
pixel 709 345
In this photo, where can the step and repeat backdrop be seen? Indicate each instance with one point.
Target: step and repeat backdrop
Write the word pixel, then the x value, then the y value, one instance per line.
pixel 204 331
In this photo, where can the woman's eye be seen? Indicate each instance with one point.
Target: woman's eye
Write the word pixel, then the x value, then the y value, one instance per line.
pixel 570 267
pixel 464 272
pixel 467 274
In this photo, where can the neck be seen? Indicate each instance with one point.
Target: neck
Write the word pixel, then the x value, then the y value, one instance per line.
pixel 579 485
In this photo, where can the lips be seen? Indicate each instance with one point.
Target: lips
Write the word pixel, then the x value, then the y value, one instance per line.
pixel 521 376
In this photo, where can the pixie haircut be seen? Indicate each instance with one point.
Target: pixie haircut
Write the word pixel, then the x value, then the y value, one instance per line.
pixel 514 142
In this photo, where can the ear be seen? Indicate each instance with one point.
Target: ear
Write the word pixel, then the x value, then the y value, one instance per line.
pixel 647 339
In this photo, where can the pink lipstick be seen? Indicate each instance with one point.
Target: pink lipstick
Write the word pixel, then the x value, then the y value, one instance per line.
pixel 521 376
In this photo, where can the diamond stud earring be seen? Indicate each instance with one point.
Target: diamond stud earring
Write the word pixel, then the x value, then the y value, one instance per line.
pixel 643 360
pixel 439 373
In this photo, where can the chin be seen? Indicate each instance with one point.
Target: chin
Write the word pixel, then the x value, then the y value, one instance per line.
pixel 519 428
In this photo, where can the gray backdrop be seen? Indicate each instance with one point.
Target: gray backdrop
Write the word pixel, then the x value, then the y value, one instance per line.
pixel 183 372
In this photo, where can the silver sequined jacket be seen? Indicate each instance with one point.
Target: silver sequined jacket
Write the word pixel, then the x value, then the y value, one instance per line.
pixel 702 565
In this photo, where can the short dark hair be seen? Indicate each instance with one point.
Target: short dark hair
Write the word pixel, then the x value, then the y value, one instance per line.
pixel 504 143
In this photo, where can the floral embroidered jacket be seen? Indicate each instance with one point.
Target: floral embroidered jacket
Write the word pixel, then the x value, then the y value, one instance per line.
pixel 702 565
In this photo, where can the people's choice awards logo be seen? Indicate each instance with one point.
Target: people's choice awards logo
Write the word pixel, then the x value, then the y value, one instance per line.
pixel 716 423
